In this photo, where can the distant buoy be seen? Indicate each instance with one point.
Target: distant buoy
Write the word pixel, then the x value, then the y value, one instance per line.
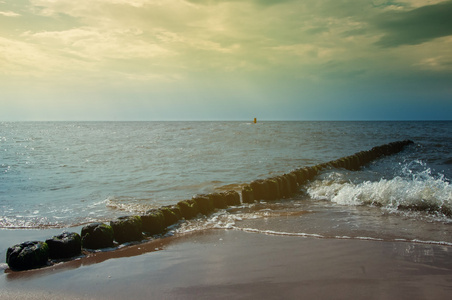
pixel 255 120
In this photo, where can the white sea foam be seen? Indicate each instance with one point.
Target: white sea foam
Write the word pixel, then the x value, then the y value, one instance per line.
pixel 320 236
pixel 420 191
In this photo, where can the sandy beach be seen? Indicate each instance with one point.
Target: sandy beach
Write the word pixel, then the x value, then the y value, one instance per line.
pixel 232 264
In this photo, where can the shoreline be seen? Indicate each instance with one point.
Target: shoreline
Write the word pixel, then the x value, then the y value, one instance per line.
pixel 220 264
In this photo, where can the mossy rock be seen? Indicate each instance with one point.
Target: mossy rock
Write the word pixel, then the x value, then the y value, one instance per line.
pixel 260 189
pixel 97 236
pixel 153 222
pixel 363 158
pixel 247 194
pixel 320 167
pixel 205 204
pixel 293 182
pixel 188 208
pixel 176 210
pixel 218 200
pixel 28 255
pixel 347 163
pixel 232 198
pixel 341 163
pixel 302 176
pixel 284 186
pixel 127 229
pixel 354 163
pixel 309 173
pixel 171 215
pixel 313 171
pixel 65 245
pixel 273 189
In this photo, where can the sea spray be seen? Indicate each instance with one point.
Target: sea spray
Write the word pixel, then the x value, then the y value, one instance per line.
pixel 411 189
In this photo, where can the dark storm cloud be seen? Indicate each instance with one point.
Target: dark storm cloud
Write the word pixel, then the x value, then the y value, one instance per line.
pixel 415 26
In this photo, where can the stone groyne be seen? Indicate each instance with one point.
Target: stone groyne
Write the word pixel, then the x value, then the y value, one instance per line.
pixel 68 245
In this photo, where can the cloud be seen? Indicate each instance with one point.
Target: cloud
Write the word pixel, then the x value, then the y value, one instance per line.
pixel 191 42
pixel 415 26
pixel 259 2
pixel 92 44
pixel 9 14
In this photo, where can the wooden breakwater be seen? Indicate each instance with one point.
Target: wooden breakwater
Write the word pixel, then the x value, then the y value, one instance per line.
pixel 35 254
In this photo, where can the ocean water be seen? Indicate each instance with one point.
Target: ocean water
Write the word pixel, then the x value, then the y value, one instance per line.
pixel 66 174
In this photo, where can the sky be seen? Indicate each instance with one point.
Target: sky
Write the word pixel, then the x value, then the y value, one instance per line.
pixel 225 60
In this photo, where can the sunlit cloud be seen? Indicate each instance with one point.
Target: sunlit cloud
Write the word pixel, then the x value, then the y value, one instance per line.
pixel 199 49
pixel 9 14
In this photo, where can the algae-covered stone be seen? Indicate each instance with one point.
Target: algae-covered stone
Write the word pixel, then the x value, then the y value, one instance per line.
pixel 309 173
pixel 176 210
pixel 127 229
pixel 172 214
pixel 205 204
pixel 340 163
pixel 292 177
pixel 247 194
pixel 232 198
pixel 188 208
pixel 65 245
pixel 347 163
pixel 273 189
pixel 218 200
pixel 312 171
pixel 284 186
pixel 354 163
pixel 300 176
pixel 153 222
pixel 28 255
pixel 97 236
pixel 260 189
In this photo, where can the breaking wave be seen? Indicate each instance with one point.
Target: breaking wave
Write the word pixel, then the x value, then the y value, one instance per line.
pixel 413 191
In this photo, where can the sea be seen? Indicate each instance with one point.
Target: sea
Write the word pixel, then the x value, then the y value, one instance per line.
pixel 62 175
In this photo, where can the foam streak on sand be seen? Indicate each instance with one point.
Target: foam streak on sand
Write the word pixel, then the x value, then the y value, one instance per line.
pixel 363 238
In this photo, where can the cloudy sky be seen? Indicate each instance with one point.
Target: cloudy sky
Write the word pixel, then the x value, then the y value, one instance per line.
pixel 225 60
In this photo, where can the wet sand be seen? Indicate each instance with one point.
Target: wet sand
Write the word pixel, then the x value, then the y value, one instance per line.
pixel 232 264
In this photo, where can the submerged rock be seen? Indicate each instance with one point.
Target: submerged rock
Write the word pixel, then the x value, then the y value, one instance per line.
pixel 97 236
pixel 28 255
pixel 153 222
pixel 65 245
pixel 127 229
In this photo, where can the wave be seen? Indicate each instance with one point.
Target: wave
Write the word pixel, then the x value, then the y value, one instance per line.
pixel 413 191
